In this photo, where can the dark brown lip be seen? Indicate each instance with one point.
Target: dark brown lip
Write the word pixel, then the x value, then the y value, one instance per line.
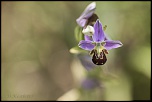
pixel 99 60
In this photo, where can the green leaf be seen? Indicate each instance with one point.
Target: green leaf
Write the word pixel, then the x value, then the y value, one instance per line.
pixel 77 50
pixel 78 33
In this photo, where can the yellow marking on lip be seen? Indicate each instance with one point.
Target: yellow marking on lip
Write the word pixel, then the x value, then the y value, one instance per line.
pixel 101 58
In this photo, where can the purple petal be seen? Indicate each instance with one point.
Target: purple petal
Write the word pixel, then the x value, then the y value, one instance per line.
pixel 81 22
pixel 111 44
pixel 86 45
pixel 87 38
pixel 98 35
pixel 88 12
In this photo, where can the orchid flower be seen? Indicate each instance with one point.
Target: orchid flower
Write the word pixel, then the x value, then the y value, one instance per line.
pixel 98 44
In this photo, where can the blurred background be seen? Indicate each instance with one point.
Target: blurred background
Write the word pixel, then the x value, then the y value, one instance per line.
pixel 37 65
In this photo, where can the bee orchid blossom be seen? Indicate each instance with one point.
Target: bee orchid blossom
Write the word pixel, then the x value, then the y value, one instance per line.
pixel 98 44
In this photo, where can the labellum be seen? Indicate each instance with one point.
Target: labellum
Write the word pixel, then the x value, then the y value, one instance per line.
pixel 99 59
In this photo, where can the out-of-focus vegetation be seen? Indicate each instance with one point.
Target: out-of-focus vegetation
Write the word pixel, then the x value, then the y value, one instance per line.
pixel 36 63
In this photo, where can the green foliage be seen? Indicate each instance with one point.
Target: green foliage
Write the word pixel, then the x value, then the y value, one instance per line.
pixel 78 33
